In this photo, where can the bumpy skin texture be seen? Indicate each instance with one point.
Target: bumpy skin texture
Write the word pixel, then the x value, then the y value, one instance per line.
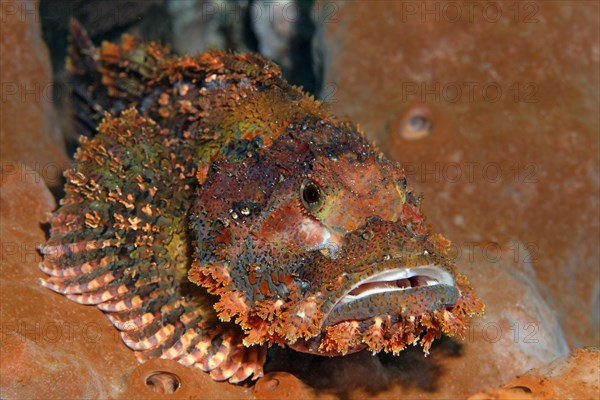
pixel 218 210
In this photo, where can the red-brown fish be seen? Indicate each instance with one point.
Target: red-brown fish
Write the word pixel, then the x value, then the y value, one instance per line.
pixel 215 210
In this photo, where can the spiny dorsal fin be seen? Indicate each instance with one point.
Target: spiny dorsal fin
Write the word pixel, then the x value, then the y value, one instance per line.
pixel 85 80
pixel 109 78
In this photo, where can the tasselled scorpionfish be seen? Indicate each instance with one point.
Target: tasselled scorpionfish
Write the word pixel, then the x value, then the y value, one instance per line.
pixel 215 210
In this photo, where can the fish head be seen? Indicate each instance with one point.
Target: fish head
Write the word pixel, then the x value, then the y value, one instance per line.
pixel 317 242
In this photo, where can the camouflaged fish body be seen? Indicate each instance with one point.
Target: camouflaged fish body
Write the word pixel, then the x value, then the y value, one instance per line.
pixel 218 210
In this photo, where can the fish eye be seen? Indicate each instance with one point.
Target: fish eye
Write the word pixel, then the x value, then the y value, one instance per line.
pixel 311 195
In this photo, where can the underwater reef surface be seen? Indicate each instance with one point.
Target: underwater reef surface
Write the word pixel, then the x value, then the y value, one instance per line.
pixel 574 376
pixel 527 240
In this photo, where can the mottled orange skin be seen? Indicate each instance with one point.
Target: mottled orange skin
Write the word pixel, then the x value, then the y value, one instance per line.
pixel 219 210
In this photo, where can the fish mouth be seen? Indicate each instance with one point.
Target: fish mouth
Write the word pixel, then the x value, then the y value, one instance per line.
pixel 398 280
pixel 395 291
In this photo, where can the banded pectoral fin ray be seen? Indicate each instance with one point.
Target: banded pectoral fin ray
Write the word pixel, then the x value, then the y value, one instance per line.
pixel 135 269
